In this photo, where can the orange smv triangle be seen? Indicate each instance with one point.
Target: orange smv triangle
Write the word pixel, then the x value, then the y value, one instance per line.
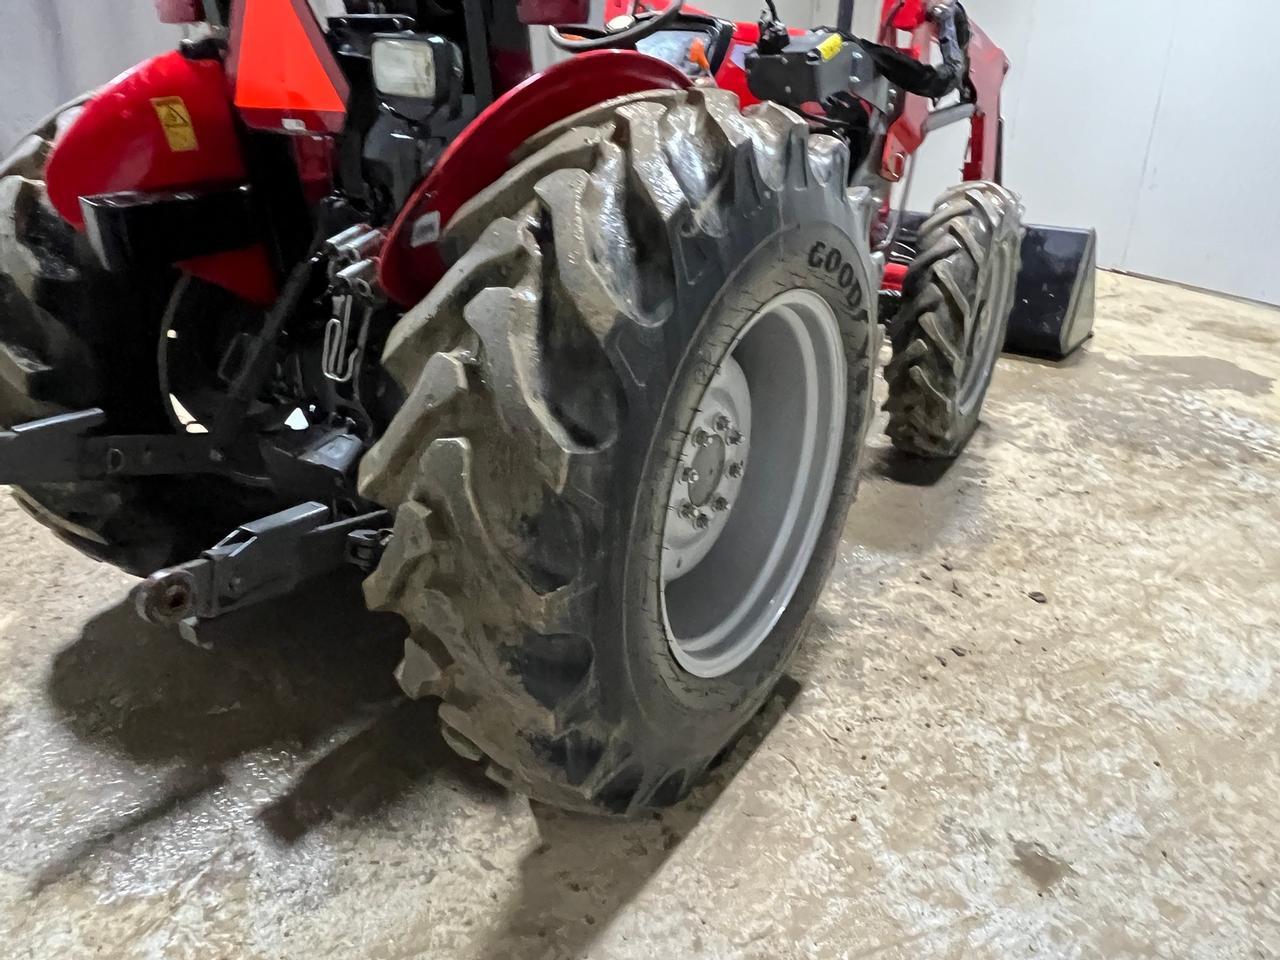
pixel 286 76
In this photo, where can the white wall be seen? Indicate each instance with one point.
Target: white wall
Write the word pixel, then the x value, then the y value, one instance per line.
pixel 1151 120
pixel 1208 211
pixel 55 49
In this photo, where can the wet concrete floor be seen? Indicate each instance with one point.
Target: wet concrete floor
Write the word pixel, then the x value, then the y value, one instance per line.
pixel 1037 717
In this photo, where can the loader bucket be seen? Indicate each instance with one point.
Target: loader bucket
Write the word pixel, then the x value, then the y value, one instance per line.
pixel 1054 307
pixel 1054 304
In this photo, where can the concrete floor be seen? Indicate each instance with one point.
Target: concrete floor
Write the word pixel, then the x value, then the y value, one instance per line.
pixel 958 769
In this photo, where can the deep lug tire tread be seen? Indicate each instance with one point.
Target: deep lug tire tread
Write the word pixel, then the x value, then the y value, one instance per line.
pixel 566 260
pixel 971 240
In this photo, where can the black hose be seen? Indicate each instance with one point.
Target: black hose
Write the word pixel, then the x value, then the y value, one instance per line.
pixel 592 38
pixel 844 16
pixel 924 79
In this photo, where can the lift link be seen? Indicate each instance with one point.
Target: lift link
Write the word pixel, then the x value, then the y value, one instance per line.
pixel 267 558
pixel 263 559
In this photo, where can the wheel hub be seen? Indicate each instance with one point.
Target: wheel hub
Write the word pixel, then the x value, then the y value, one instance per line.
pixel 756 469
pixel 709 475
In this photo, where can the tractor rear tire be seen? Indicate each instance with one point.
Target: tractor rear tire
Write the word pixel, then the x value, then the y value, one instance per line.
pixel 70 338
pixel 555 381
pixel 951 324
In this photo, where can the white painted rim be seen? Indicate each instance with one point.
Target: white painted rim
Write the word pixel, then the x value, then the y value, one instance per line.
pixel 736 542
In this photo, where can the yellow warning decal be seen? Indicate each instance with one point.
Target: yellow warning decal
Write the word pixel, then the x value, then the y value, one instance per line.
pixel 176 120
pixel 830 46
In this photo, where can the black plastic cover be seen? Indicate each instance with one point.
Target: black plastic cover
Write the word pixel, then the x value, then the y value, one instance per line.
pixel 128 230
pixel 812 68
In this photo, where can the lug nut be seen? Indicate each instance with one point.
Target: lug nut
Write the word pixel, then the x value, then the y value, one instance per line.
pixel 689 475
pixel 720 504
pixel 735 470
pixel 722 423
pixel 701 438
pixel 688 511
pixel 734 438
pixel 702 521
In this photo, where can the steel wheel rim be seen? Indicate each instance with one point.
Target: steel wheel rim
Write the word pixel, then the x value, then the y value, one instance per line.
pixel 782 388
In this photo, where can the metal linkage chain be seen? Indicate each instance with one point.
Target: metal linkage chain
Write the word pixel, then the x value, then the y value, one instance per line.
pixel 338 365
pixel 353 272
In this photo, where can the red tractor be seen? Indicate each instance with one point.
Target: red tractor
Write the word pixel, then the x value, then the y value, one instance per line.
pixel 576 366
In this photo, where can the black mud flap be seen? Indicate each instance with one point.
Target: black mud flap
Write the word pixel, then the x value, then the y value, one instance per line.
pixel 1054 308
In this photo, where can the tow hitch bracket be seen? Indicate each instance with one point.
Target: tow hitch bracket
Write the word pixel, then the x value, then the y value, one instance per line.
pixel 260 560
pixel 263 559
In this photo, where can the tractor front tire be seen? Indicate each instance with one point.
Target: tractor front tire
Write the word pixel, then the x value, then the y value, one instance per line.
pixel 645 282
pixel 951 324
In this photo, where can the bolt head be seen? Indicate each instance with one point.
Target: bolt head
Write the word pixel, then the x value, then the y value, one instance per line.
pixel 688 511
pixel 735 470
pixel 689 475
pixel 734 438
pixel 702 521
pixel 701 438
pixel 722 423
pixel 720 504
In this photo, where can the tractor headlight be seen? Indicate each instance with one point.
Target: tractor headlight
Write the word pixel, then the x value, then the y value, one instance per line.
pixel 421 67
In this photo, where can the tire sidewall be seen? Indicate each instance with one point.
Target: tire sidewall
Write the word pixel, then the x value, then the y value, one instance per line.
pixel 678 711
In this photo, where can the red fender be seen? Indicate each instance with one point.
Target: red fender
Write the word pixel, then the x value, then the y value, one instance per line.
pixel 166 124
pixel 481 154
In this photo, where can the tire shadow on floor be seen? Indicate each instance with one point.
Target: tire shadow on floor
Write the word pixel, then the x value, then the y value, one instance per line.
pixel 310 676
pixel 906 468
pixel 587 869
pixel 285 672
pixel 390 757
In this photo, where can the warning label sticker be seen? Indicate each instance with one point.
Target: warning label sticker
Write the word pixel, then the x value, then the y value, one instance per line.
pixel 176 120
pixel 426 229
